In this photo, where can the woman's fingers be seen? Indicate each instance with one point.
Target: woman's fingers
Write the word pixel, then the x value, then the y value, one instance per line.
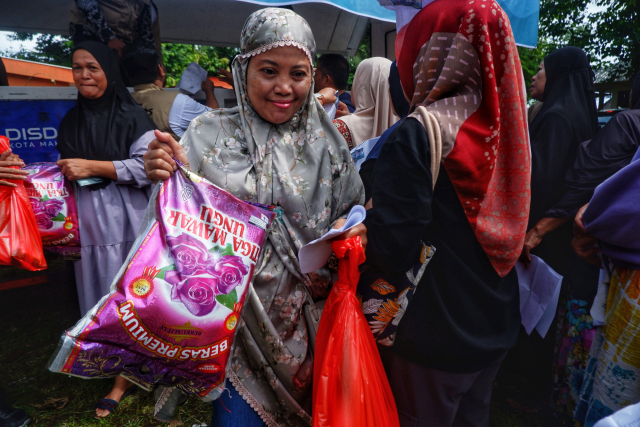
pixel 160 153
pixel 339 223
pixel 158 167
pixel 8 174
pixel 176 148
pixel 158 160
pixel 357 230
pixel 579 230
pixel 158 175
pixel 5 154
pixel 4 166
pixel 7 184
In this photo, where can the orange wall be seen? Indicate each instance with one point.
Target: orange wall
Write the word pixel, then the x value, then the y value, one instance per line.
pixel 26 73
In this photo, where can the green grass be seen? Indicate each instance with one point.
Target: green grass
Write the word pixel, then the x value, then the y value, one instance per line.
pixel 33 318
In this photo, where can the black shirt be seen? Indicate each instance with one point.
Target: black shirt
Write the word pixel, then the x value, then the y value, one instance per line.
pixel 463 315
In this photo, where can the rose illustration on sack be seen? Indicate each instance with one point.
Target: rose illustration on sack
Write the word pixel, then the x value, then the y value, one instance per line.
pixel 197 294
pixel 190 255
pixel 198 278
pixel 43 220
pixel 230 271
pixel 46 211
pixel 52 207
pixel 36 205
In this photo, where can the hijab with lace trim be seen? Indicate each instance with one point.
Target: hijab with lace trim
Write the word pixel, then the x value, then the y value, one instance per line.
pixel 459 61
pixel 302 166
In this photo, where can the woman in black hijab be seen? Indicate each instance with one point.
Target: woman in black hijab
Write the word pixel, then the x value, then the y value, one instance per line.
pixel 101 143
pixel 567 118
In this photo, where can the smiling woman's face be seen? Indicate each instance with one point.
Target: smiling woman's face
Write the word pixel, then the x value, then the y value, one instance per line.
pixel 278 83
pixel 88 75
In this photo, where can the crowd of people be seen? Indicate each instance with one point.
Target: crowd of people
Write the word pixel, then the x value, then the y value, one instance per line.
pixel 458 163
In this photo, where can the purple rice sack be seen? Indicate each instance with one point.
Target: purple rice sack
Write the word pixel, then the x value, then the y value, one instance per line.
pixel 171 315
pixel 54 205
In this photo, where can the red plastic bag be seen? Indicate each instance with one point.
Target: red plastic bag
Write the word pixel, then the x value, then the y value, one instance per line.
pixel 20 244
pixel 350 387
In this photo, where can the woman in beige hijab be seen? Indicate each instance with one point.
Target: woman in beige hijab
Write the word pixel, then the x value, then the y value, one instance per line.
pixel 370 95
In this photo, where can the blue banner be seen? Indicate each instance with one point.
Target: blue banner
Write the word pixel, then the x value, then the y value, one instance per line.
pixel 369 8
pixel 523 14
pixel 32 127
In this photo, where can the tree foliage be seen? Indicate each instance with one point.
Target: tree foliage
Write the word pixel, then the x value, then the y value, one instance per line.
pixel 49 49
pixel 364 52
pixel 177 56
pixel 56 50
pixel 611 33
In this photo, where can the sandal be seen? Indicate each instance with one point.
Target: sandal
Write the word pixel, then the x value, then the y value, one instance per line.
pixel 167 400
pixel 110 404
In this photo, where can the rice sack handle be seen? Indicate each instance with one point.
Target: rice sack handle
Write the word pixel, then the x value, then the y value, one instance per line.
pixel 54 205
pixel 172 313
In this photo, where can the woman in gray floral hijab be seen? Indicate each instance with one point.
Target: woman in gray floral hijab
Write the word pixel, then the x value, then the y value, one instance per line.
pixel 277 147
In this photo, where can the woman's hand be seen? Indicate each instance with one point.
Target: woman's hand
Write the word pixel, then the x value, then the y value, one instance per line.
pixel 587 248
pixel 358 230
pixel 579 230
pixel 328 96
pixel 75 169
pixel 531 240
pixel 342 110
pixel 535 235
pixel 8 163
pixel 158 160
pixel 226 76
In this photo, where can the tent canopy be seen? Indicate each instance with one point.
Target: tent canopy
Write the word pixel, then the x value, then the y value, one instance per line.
pixel 206 22
pixel 338 25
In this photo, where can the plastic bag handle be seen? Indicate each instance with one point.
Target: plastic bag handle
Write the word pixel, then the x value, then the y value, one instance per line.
pixel 350 255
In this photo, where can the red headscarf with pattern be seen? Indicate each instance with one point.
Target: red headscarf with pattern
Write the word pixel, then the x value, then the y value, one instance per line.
pixel 459 61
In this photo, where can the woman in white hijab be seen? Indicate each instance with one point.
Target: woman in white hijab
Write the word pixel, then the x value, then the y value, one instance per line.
pixel 370 95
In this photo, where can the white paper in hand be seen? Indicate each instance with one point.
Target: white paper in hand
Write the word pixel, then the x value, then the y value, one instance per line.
pixel 314 255
pixel 539 293
pixel 192 78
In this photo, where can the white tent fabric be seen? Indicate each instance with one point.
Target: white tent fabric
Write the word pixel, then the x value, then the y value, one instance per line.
pixel 207 22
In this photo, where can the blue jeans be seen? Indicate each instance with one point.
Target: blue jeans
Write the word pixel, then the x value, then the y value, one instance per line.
pixel 237 412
